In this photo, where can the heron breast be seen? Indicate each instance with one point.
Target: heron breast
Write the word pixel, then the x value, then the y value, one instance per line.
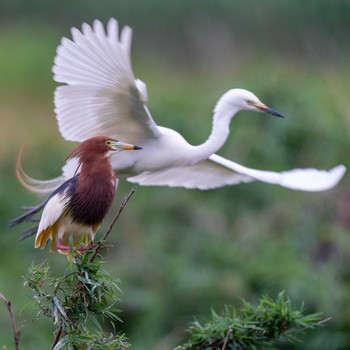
pixel 91 201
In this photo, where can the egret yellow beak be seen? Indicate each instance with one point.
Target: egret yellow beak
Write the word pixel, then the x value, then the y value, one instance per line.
pixel 263 108
pixel 122 146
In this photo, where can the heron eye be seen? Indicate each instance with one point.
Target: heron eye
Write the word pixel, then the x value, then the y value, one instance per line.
pixel 108 143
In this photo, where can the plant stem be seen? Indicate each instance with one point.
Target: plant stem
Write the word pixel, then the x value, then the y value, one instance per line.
pixel 57 338
pixel 109 229
pixel 229 332
pixel 16 332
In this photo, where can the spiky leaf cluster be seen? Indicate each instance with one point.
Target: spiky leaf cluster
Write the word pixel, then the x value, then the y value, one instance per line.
pixel 251 327
pixel 81 303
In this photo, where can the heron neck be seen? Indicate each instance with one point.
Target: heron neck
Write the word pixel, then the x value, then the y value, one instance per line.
pixel 96 166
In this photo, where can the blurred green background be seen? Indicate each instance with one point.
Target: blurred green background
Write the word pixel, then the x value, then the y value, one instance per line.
pixel 180 252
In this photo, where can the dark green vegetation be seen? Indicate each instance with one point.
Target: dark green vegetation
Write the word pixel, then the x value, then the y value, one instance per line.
pixel 179 253
pixel 78 303
pixel 83 302
pixel 251 327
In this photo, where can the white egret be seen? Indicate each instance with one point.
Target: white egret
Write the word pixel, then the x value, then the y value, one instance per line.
pixel 102 97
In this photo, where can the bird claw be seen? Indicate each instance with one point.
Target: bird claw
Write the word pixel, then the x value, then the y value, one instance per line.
pixel 84 248
pixel 61 246
pixel 92 246
pixel 105 246
pixel 80 248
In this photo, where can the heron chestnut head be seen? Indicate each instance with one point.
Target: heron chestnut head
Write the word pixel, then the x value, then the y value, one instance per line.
pixel 92 149
pixel 100 145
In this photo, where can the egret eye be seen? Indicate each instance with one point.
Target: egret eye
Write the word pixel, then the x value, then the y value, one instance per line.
pixel 108 143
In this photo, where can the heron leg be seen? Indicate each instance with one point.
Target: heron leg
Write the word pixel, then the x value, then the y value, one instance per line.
pixel 61 246
pixel 81 248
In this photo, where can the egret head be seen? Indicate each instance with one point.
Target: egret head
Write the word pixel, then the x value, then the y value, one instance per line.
pixel 246 100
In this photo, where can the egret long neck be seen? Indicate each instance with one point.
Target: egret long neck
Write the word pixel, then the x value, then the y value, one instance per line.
pixel 223 113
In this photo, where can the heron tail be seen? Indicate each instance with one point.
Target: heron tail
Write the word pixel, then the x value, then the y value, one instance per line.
pixel 28 216
pixel 34 185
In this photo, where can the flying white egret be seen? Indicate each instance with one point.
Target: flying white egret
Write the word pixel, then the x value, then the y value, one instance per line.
pixel 102 97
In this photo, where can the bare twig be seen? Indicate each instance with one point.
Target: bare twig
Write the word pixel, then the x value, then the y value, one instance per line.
pixel 109 229
pixel 57 338
pixel 229 332
pixel 16 332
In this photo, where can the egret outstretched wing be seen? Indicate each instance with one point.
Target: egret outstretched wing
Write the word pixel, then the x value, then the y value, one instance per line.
pixel 308 179
pixel 101 96
pixel 205 175
pixel 218 171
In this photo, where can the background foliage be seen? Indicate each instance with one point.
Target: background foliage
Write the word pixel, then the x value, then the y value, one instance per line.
pixel 179 252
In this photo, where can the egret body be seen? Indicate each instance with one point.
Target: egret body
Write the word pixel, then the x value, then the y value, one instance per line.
pixel 100 95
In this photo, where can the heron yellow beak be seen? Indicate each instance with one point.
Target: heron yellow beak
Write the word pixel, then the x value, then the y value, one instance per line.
pixel 263 108
pixel 122 146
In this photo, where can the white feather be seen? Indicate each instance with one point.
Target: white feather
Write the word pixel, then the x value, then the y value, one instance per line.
pixel 102 96
pixel 312 180
pixel 56 217
pixel 218 171
pixel 205 175
pixel 53 209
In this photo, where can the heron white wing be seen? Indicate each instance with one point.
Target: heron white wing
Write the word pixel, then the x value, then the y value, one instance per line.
pixel 53 209
pixel 101 96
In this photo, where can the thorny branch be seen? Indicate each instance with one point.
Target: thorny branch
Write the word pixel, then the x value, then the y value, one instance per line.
pixel 109 229
pixel 229 332
pixel 57 338
pixel 16 332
